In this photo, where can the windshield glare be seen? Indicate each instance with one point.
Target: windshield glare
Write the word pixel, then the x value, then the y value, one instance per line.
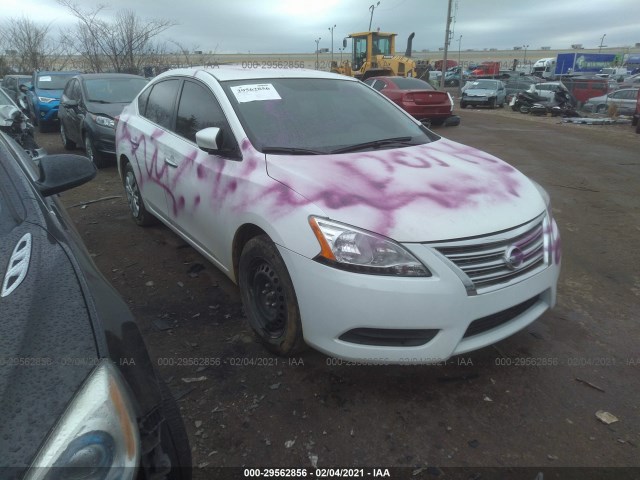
pixel 113 90
pixel 489 84
pixel 318 114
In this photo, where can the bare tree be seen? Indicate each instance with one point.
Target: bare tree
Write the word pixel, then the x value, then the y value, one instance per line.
pixel 31 45
pixel 121 44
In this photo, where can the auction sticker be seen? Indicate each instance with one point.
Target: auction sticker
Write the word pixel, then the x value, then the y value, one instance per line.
pixel 255 93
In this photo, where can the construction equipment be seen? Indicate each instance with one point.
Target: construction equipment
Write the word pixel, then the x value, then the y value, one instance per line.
pixel 373 54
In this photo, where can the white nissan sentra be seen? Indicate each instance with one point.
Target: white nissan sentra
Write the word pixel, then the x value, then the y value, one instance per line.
pixel 347 225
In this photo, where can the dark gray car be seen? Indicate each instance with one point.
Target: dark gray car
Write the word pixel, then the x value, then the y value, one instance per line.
pixel 88 106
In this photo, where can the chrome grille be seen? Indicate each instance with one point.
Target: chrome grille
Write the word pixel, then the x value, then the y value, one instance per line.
pixel 495 261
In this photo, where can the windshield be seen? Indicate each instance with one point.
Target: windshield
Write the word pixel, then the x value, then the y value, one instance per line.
pixel 489 84
pixel 113 90
pixel 4 98
pixel 321 115
pixel 53 81
pixel 409 83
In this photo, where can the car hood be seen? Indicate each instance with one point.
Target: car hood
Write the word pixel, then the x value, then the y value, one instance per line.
pixel 437 191
pixel 41 92
pixel 110 109
pixel 481 92
pixel 46 342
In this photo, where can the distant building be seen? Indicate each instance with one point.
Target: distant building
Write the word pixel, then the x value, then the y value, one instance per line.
pixel 517 48
pixel 545 48
pixel 577 46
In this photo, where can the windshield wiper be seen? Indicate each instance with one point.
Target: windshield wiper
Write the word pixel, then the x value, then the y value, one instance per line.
pixel 292 151
pixel 375 144
pixel 97 101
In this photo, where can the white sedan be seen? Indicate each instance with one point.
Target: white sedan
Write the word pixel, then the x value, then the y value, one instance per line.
pixel 347 224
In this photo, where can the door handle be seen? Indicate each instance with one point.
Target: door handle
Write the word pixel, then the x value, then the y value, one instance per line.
pixel 170 161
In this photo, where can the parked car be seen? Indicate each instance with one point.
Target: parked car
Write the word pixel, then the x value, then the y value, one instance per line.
pixel 519 84
pixel 340 216
pixel 624 99
pixel 584 87
pixel 546 89
pixel 415 96
pixel 43 102
pixel 485 92
pixel 11 84
pixel 631 81
pixel 14 122
pixel 88 106
pixel 636 115
pixel 77 387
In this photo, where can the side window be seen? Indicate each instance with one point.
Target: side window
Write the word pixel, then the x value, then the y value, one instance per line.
pixel 161 102
pixel 68 88
pixel 75 90
pixel 142 100
pixel 198 109
pixel 379 85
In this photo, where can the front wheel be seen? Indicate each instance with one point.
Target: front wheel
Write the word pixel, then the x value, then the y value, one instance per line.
pixel 95 156
pixel 66 143
pixel 269 298
pixel 463 105
pixel 524 108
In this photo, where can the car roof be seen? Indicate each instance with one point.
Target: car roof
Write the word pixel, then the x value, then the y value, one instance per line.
pixel 224 73
pixel 99 76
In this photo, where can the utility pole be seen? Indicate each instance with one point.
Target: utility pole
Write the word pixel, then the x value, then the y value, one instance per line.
pixel 318 53
pixel 447 35
pixel 331 30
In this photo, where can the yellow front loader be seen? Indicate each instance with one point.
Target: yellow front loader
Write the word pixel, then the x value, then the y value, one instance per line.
pixel 373 54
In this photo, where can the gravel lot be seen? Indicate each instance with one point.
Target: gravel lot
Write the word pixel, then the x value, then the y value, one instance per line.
pixel 530 401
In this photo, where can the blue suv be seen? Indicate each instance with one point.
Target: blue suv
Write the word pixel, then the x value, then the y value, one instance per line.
pixel 46 90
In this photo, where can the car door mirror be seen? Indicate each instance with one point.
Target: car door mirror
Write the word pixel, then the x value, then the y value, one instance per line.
pixel 63 172
pixel 24 88
pixel 207 139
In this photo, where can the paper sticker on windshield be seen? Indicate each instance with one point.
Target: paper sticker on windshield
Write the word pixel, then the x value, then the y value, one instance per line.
pixel 45 79
pixel 255 93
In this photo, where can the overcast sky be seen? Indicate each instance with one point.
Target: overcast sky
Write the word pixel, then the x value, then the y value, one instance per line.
pixel 281 26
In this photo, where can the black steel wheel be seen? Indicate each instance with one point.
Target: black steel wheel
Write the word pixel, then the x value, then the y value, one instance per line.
pixel 269 297
pixel 134 198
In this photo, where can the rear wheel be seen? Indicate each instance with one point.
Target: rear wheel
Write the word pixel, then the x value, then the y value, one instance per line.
pixel 601 109
pixel 269 298
pixel 68 144
pixel 134 199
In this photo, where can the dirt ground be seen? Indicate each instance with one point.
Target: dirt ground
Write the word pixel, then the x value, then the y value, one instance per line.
pixel 529 401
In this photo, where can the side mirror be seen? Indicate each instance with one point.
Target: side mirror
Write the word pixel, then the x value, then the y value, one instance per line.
pixel 207 139
pixel 63 172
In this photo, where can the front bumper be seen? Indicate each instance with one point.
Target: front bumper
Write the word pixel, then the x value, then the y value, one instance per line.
pixel 47 112
pixel 104 138
pixel 333 302
pixel 475 100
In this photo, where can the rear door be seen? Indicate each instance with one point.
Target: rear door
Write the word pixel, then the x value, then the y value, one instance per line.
pixel 151 135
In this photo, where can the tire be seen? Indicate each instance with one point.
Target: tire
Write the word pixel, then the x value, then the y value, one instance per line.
pixel 492 103
pixel 523 108
pixel 90 151
pixel 463 105
pixel 134 198
pixel 66 143
pixel 269 298
pixel 601 109
pixel 173 436
pixel 638 127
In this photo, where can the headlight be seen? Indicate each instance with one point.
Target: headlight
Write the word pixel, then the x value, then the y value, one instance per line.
pixel 96 438
pixel 355 250
pixel 46 99
pixel 104 121
pixel 450 99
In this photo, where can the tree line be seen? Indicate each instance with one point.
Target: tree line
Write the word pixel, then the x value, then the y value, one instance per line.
pixel 123 43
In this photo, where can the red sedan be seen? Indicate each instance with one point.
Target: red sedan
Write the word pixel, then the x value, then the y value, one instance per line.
pixel 417 97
